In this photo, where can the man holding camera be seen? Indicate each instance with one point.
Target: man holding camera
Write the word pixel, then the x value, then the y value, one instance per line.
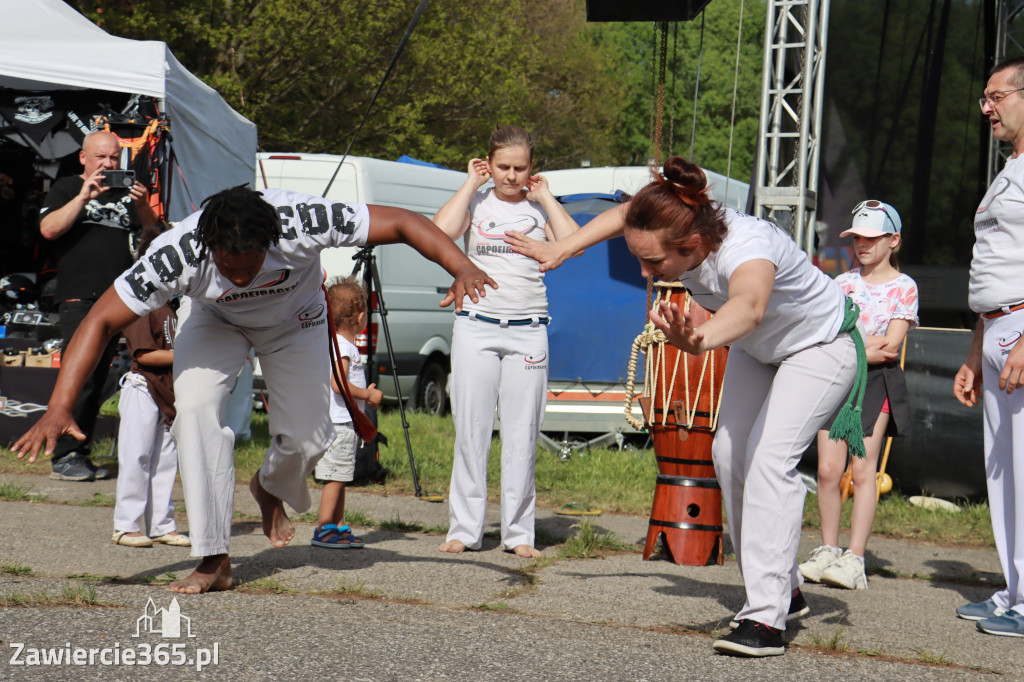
pixel 90 219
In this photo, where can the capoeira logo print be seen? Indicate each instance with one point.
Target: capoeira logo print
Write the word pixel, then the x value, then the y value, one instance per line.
pixel 493 229
pixel 1007 342
pixel 313 316
pixel 536 360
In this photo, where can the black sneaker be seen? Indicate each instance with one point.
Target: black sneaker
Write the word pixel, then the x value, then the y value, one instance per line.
pixel 73 467
pixel 797 608
pixel 797 605
pixel 751 639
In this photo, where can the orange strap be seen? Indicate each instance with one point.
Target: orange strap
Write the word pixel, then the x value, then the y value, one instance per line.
pixel 364 427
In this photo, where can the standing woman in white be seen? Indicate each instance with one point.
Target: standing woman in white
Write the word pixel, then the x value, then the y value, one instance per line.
pixel 500 343
pixel 791 364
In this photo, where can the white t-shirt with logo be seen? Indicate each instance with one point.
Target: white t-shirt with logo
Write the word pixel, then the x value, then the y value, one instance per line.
pixel 356 377
pixel 806 306
pixel 288 282
pixel 521 292
pixel 999 242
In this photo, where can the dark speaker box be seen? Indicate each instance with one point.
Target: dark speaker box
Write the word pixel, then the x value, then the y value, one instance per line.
pixel 644 10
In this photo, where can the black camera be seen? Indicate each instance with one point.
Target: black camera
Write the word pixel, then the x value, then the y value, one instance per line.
pixel 118 178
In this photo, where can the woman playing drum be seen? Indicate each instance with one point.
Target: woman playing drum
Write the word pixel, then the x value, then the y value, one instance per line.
pixel 792 362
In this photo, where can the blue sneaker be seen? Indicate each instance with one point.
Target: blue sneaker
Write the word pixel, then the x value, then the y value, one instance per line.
pixel 980 610
pixel 1010 624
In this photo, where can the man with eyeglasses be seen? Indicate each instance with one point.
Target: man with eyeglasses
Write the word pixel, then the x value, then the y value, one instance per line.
pixel 996 358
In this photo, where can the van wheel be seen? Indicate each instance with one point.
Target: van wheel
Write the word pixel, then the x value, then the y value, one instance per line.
pixel 430 392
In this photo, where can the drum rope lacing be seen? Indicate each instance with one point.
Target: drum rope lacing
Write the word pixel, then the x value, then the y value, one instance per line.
pixel 651 341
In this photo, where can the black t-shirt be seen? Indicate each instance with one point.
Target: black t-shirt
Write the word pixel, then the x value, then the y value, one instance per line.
pixel 95 250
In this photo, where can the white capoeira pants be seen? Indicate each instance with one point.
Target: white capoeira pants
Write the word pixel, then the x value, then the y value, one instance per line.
pixel 508 367
pixel 147 463
pixel 208 353
pixel 1004 456
pixel 770 414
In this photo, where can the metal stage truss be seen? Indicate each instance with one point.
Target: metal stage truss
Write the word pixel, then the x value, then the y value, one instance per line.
pixel 789 132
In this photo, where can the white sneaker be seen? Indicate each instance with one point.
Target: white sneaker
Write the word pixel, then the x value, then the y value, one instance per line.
pixel 820 559
pixel 847 572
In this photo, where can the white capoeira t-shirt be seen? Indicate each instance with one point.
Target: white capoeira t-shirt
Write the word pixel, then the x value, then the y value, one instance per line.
pixel 806 306
pixel 288 280
pixel 999 242
pixel 521 292
pixel 356 377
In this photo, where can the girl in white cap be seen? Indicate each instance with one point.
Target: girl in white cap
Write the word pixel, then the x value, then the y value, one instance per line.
pixel 888 310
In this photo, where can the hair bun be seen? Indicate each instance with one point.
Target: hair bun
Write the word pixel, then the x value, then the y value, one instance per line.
pixel 682 172
pixel 688 181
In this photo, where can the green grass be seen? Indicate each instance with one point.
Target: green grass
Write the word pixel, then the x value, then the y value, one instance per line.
pixel 588 543
pixel 897 518
pixel 16 569
pixel 12 492
pixel 613 481
pixel 263 585
pixel 606 479
pixel 99 500
pixel 835 642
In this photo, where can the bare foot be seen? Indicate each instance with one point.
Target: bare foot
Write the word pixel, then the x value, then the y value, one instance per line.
pixel 212 574
pixel 452 547
pixel 276 525
pixel 526 551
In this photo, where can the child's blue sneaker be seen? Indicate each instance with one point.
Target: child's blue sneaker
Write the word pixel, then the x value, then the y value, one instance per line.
pixel 979 610
pixel 1010 624
pixel 335 537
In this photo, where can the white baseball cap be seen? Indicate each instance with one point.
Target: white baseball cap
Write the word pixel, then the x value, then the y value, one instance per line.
pixel 874 219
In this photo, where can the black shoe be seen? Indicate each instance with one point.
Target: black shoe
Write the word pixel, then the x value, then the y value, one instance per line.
pixel 73 467
pixel 797 607
pixel 751 639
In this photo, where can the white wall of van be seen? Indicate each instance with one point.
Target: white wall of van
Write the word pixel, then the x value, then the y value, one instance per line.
pixel 411 285
pixel 730 193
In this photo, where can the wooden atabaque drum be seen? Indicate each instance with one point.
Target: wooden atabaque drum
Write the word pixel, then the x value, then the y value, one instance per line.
pixel 687 508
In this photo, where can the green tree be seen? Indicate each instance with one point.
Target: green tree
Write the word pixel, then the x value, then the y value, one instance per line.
pixel 304 71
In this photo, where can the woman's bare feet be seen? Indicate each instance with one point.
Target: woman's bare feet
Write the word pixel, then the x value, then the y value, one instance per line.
pixel 212 574
pixel 276 526
pixel 526 551
pixel 452 547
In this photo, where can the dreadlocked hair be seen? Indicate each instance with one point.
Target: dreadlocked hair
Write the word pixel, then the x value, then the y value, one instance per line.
pixel 347 298
pixel 677 201
pixel 237 220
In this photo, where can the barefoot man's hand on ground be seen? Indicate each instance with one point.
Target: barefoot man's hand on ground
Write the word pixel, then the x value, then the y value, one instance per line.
pixel 470 281
pixel 42 437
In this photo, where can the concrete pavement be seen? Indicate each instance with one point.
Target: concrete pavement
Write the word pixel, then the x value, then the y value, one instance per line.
pixel 401 610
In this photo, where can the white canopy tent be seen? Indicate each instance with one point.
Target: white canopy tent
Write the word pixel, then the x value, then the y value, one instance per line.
pixel 46 47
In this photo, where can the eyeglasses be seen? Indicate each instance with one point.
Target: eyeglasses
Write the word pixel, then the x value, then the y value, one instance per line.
pixel 995 98
pixel 872 205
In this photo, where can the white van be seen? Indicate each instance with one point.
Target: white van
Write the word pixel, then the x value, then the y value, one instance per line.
pixel 411 285
pixel 730 193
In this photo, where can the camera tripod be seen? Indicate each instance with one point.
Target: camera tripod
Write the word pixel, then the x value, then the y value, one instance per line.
pixel 366 262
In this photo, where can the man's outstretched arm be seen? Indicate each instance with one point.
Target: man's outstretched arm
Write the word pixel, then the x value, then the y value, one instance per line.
pixel 108 316
pixel 390 225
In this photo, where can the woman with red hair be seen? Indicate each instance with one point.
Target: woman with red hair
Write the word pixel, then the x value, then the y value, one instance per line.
pixel 793 361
